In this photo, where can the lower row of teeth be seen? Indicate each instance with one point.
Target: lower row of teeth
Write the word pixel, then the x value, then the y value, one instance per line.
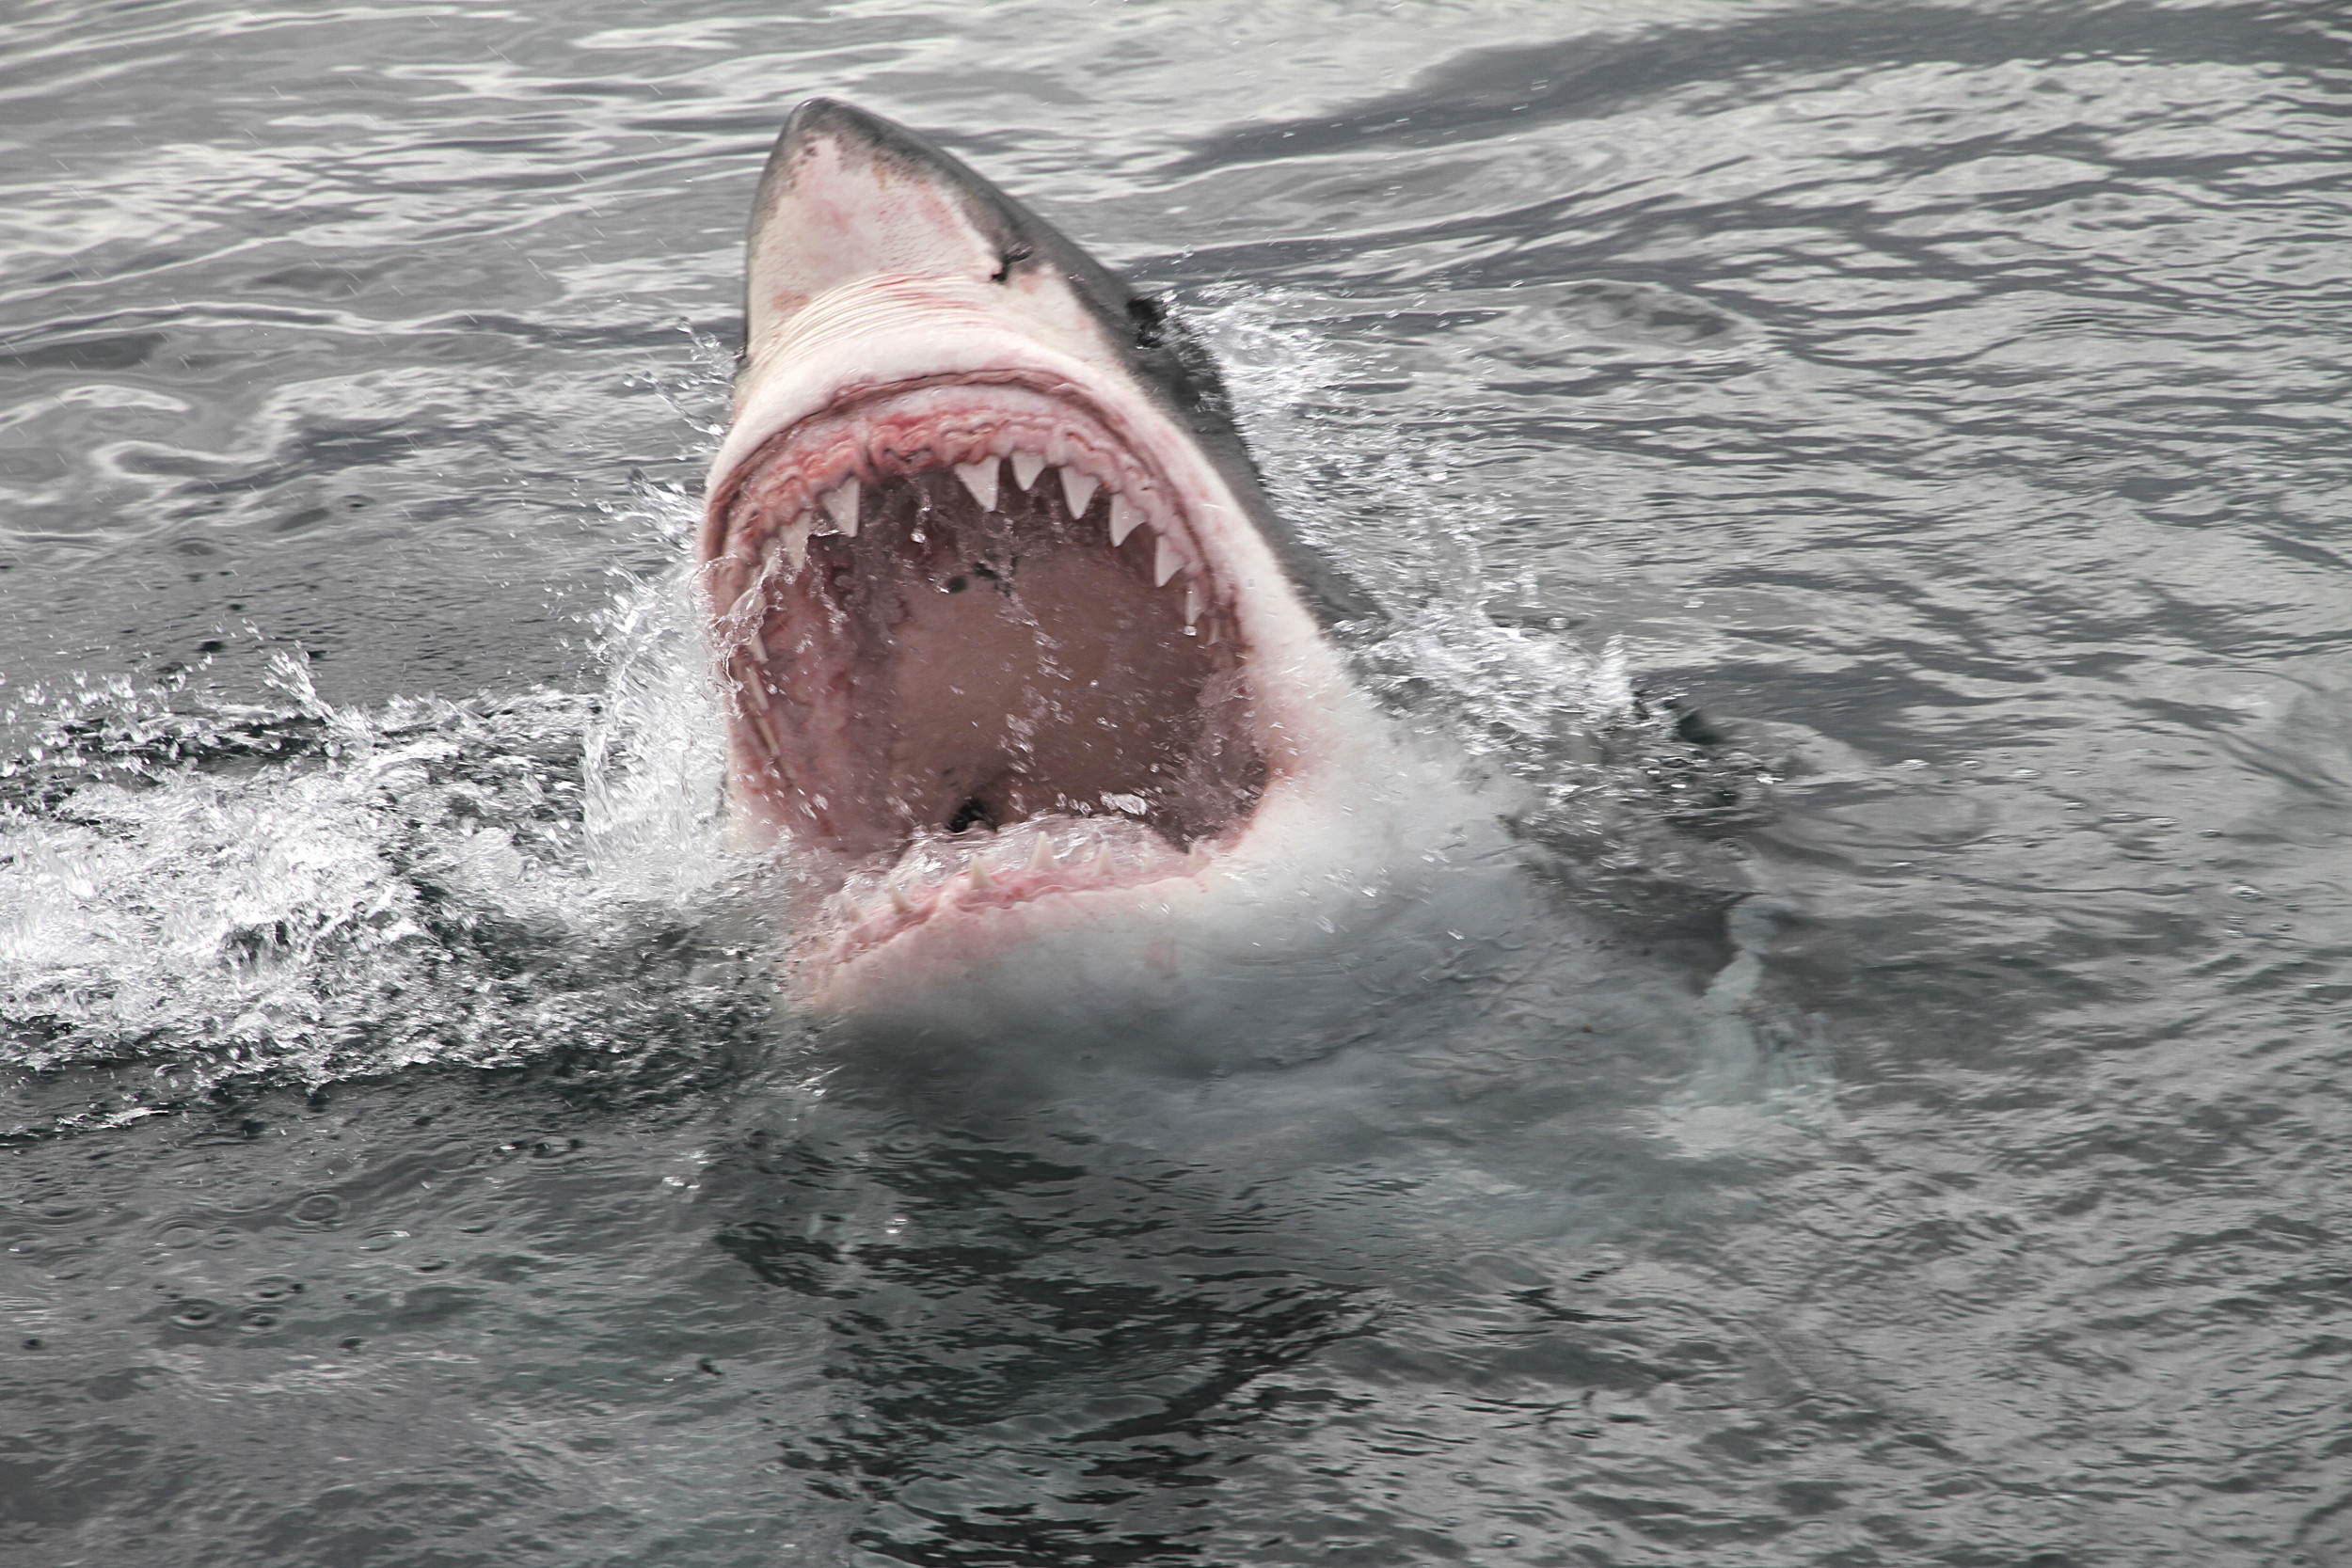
pixel 837 512
pixel 941 870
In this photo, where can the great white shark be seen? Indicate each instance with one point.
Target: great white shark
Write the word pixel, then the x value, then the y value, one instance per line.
pixel 1017 654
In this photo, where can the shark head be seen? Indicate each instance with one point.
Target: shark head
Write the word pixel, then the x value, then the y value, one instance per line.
pixel 1014 643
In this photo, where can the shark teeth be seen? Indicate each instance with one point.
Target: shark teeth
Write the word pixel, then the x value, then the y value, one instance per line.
pixel 774 575
pixel 837 510
pixel 840 504
pixel 788 550
pixel 980 478
pixel 1125 518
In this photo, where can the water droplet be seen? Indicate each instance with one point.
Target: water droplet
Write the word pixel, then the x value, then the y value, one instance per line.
pixel 196 1314
pixel 319 1208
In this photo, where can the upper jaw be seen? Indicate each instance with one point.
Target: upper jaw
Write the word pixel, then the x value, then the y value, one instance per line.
pixel 887 334
pixel 809 477
pixel 888 329
pixel 1043 381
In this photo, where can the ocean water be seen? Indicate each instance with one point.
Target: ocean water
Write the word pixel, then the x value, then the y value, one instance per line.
pixel 1861 493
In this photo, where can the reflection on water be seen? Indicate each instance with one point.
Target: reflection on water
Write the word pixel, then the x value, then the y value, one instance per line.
pixel 1859 487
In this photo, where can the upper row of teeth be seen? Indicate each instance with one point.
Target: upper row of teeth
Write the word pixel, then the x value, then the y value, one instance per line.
pixel 837 512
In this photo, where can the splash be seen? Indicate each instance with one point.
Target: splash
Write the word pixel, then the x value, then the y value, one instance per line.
pixel 309 891
pixel 1608 772
pixel 194 888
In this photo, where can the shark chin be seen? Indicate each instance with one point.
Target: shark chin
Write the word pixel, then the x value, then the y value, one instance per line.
pixel 1025 679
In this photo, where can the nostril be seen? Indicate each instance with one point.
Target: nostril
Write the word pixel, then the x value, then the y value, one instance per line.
pixel 972 814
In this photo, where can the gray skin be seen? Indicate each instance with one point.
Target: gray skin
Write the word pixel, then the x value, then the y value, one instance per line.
pixel 1156 349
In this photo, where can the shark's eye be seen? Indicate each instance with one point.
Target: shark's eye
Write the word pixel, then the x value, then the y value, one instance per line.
pixel 1011 259
pixel 1148 317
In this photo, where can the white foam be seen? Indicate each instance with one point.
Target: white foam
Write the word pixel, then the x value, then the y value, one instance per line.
pixel 355 899
pixel 654 755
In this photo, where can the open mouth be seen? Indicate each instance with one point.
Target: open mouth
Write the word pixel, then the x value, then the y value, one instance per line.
pixel 978 649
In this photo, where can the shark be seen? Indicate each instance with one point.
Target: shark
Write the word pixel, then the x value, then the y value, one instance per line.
pixel 1015 650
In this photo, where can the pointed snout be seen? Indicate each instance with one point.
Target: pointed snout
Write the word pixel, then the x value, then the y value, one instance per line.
pixel 849 196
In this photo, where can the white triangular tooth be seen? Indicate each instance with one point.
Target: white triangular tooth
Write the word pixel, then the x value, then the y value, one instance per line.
pixel 767 733
pixel 1125 518
pixel 1192 602
pixel 1103 866
pixel 840 504
pixel 899 899
pixel 1042 858
pixel 728 579
pixel 1077 488
pixel 789 547
pixel 980 478
pixel 977 875
pixel 1026 466
pixel 1164 563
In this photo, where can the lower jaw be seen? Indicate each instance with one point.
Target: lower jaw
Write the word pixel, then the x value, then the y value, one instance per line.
pixel 975 891
pixel 961 932
pixel 1158 940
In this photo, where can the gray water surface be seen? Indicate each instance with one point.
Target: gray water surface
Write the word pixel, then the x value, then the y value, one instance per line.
pixel 1866 488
